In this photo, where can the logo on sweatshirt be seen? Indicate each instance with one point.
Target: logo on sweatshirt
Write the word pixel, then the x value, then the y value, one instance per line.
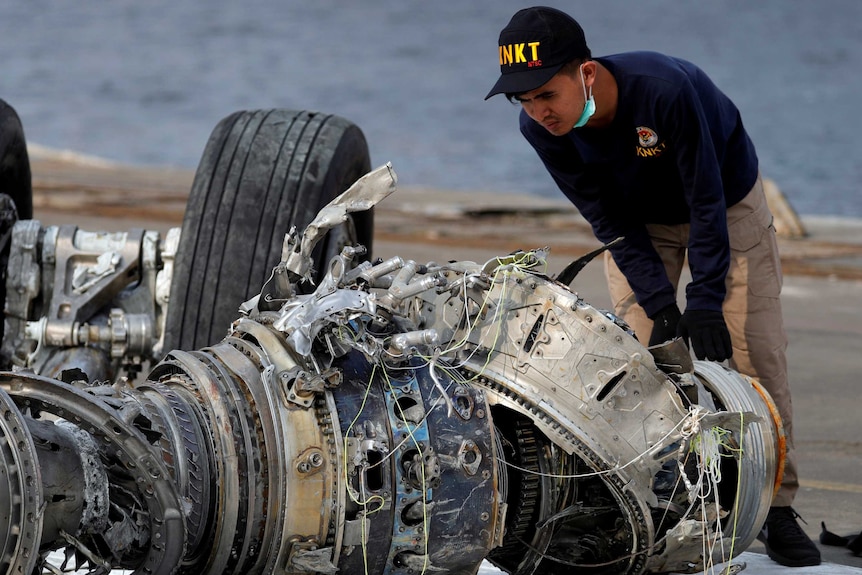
pixel 647 137
pixel 648 143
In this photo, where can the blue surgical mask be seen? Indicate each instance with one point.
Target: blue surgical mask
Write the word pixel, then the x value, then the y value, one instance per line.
pixel 589 103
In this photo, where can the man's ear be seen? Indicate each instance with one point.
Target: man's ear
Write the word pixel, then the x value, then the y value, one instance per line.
pixel 590 68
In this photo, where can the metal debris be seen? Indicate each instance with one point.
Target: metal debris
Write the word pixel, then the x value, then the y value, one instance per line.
pixel 401 418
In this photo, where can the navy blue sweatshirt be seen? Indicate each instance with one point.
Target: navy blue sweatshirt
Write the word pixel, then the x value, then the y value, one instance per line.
pixel 676 152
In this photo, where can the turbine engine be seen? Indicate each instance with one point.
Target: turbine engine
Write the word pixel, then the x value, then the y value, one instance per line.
pixel 397 418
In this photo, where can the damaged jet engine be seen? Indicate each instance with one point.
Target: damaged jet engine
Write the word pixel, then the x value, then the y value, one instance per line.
pixel 396 417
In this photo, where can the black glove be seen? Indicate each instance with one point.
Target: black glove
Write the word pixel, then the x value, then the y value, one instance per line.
pixel 708 332
pixel 664 324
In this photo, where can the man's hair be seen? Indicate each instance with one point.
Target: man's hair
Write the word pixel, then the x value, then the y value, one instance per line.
pixel 570 68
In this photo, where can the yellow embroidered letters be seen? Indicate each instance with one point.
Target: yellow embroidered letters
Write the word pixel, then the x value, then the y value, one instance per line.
pixel 516 54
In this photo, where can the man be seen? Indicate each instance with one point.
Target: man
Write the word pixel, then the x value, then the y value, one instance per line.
pixel 647 148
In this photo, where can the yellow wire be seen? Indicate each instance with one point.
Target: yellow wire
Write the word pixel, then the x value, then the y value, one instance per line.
pixel 422 471
pixel 736 499
pixel 364 504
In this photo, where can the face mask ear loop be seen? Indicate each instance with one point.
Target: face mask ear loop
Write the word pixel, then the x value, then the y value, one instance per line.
pixel 584 85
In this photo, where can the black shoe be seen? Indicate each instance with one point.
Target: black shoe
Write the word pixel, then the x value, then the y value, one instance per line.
pixel 786 543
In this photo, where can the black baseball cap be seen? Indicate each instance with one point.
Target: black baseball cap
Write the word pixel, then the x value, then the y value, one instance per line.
pixel 534 45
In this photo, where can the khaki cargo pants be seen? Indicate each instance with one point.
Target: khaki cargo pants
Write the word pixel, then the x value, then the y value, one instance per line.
pixel 752 308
